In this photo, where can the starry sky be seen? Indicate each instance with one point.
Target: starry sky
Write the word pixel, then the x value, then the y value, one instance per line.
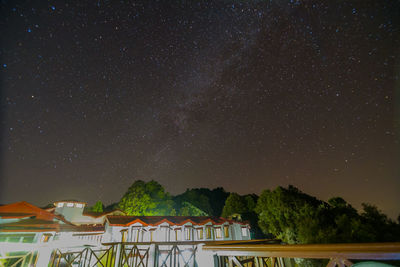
pixel 247 95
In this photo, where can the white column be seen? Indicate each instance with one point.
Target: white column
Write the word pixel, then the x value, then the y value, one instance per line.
pixel 204 258
pixel 118 255
pixel 152 256
pixel 44 256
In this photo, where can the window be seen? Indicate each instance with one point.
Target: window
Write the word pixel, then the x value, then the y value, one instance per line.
pixel 226 230
pixel 152 235
pixel 124 234
pixel 79 205
pixel 135 235
pixel 208 232
pixel 45 238
pixel 187 233
pixel 164 233
pixel 70 204
pixel 28 239
pixel 244 231
pixel 218 232
pixel 199 233
pixel 178 235
pixel 59 205
pixel 16 238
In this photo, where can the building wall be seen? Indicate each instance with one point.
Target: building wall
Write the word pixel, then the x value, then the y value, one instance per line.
pixel 171 233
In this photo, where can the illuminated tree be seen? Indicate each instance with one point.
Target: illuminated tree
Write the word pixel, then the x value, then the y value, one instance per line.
pixel 235 206
pixel 148 199
pixel 98 207
pixel 187 209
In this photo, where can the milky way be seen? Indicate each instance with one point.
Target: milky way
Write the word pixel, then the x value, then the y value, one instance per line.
pixel 247 95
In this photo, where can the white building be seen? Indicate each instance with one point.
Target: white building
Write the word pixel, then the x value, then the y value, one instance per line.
pixel 173 229
pixel 69 223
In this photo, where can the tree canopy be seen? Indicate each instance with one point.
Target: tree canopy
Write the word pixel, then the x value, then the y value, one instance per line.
pixel 191 200
pixel 98 207
pixel 296 217
pixel 148 199
pixel 284 213
pixel 187 209
pixel 235 206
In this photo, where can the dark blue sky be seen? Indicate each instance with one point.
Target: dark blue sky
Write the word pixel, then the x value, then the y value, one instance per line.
pixel 247 95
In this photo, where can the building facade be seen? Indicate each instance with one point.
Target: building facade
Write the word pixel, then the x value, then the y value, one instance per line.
pixel 173 229
pixel 68 222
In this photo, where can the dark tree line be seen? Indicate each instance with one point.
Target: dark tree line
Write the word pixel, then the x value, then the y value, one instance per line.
pixel 284 213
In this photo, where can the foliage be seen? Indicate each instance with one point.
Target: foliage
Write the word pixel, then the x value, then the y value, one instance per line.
pixel 242 208
pixel 235 206
pixel 187 209
pixel 295 217
pixel 195 199
pixel 209 201
pixel 111 207
pixel 148 199
pixel 289 215
pixel 98 207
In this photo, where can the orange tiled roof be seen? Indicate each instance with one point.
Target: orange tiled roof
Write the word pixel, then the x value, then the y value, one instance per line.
pixel 24 209
pixel 171 220
pixel 40 225
pixel 34 219
pixel 99 214
pixel 30 225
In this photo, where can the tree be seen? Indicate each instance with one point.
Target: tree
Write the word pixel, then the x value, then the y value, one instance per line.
pixel 235 206
pixel 290 215
pixel 378 226
pixel 148 199
pixel 98 207
pixel 195 198
pixel 187 209
pixel 295 217
pixel 209 201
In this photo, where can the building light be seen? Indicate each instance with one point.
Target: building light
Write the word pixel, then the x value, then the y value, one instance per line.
pixel 70 204
pixel 208 232
pixel 45 238
pixel 60 204
pixel 200 233
pixel 244 231
pixel 218 232
pixel 79 205
pixel 187 233
pixel 226 231
pixel 178 235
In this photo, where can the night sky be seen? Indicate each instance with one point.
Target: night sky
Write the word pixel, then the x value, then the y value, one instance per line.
pixel 247 95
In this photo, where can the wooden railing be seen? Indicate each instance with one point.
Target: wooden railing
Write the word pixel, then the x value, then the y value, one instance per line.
pixel 248 254
pixel 251 253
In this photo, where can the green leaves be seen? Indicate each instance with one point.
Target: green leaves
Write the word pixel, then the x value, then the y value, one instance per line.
pixel 98 207
pixel 295 217
pixel 234 205
pixel 146 199
pixel 188 209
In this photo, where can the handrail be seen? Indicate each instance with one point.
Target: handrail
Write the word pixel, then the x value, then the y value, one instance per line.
pixel 367 251
pixel 219 242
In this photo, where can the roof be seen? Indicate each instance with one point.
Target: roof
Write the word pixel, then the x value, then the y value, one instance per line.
pixel 30 225
pixel 100 214
pixel 34 219
pixel 171 220
pixel 40 225
pixel 24 209
pixel 69 201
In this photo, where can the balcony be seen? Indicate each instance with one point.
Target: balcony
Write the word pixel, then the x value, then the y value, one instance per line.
pixel 251 253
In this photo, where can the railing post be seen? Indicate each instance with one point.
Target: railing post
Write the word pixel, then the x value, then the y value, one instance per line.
pixel 44 256
pixel 203 258
pixel 153 260
pixel 117 261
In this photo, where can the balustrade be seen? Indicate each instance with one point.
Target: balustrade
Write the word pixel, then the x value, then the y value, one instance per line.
pixel 251 253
